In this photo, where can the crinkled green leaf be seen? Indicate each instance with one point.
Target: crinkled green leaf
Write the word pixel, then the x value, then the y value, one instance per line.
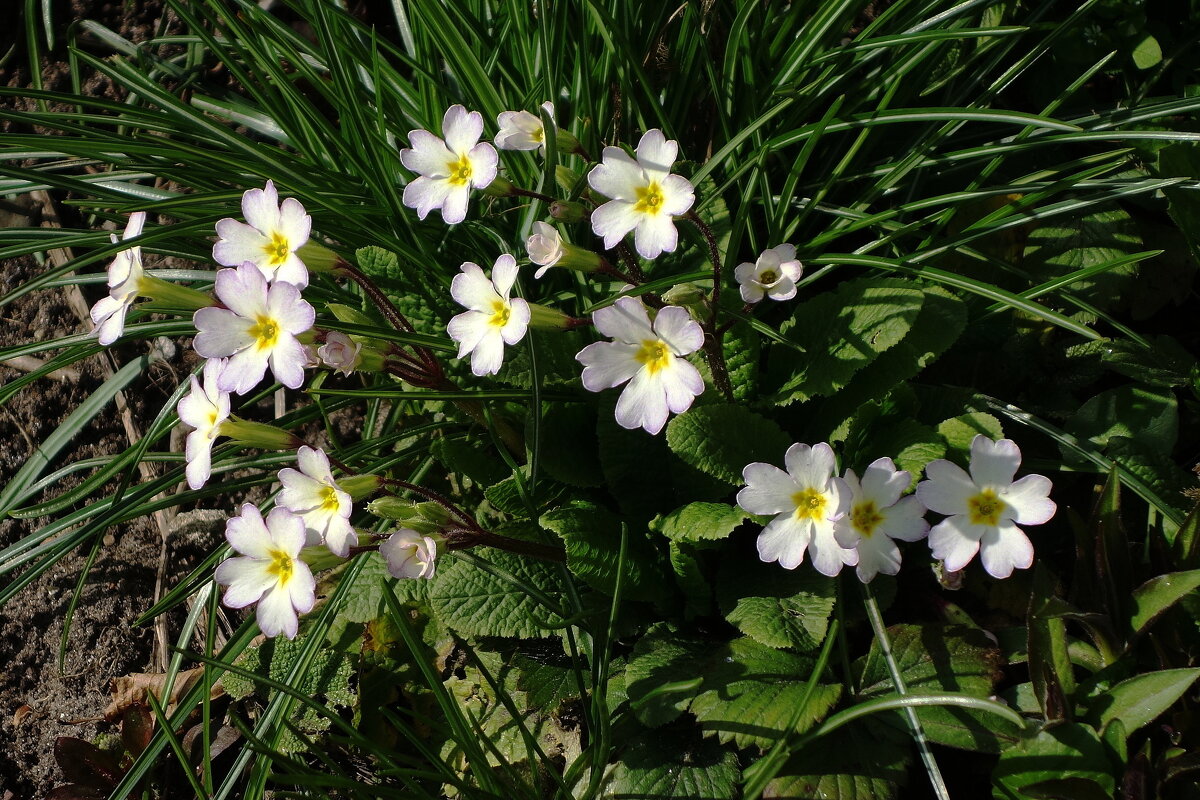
pixel 1102 234
pixel 475 457
pixel 841 332
pixel 849 764
pixel 474 602
pixel 775 606
pixel 592 536
pixel 742 347
pixel 1131 411
pixel 1069 750
pixel 555 351
pixel 697 522
pixel 1166 363
pixel 569 451
pixel 960 431
pixel 673 763
pixel 721 440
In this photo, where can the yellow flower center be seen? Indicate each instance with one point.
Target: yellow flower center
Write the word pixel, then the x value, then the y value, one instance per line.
pixel 985 508
pixel 538 135
pixel 277 249
pixel 649 199
pixel 212 424
pixel 460 171
pixel 810 503
pixel 281 567
pixel 654 354
pixel 329 499
pixel 500 313
pixel 265 333
pixel 768 277
pixel 865 518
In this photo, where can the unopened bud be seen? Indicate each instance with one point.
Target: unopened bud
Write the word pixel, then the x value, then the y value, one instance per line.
pixel 317 257
pixel 567 211
pixel 500 187
pixel 567 143
pixel 684 294
pixel 359 486
pixel 566 177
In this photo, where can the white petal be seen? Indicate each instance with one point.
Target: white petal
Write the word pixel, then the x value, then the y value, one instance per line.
pixel 783 289
pixel 484 163
pixel 504 275
pixel 607 364
pixel 300 492
pixel 1004 548
pixel 242 290
pixel 826 555
pixel 238 243
pixel 678 195
pixel 220 332
pixel 811 467
pixel 314 463
pixel 994 463
pixel 656 152
pixel 260 207
pixel 617 176
pixel 625 320
pixel 428 155
pixel 134 225
pixel 643 403
pixel 199 459
pixel 1030 499
pixel 675 326
pixel 905 520
pixel 461 128
pixel 244 371
pixel 768 490
pixel 247 533
pixel 518 321
pixel 425 194
pixel 194 408
pixel 301 588
pixel 682 384
pixel 883 484
pixel 468 329
pixel 287 531
pixel 488 355
pixel 275 613
pixel 948 488
pixel 247 579
pixel 955 540
pixel 290 312
pixel 654 235
pixel 292 271
pixel 784 540
pixel 287 361
pixel 752 292
pixel 454 208
pixel 108 315
pixel 471 289
pixel 339 535
pixel 613 220
pixel 877 554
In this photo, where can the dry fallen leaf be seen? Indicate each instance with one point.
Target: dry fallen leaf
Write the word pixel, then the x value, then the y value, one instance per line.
pixel 20 714
pixel 131 689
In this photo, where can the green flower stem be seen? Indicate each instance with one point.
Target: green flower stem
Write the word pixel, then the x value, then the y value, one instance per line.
pixel 910 714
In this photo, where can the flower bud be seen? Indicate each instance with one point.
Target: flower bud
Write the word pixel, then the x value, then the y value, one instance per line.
pixel 340 353
pixel 547 249
pixel 259 434
pixel 684 294
pixel 567 211
pixel 566 177
pixel 317 257
pixel 409 554
pixel 567 143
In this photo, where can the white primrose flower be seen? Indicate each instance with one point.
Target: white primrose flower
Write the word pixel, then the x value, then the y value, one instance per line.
pixel 493 319
pixel 649 356
pixel 312 494
pixel 409 554
pixel 270 241
pixel 545 247
pixel 773 275
pixel 522 130
pixel 124 279
pixel 878 515
pixel 257 328
pixel 645 195
pixel 447 169
pixel 985 508
pixel 340 353
pixel 205 409
pixel 807 501
pixel 269 570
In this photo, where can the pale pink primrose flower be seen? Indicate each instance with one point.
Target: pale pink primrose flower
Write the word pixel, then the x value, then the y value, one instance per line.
pixel 340 353
pixel 649 356
pixel 645 195
pixel 493 319
pixel 807 500
pixel 268 570
pixel 522 130
pixel 877 515
pixel 773 275
pixel 312 494
pixel 258 328
pixel 545 247
pixel 985 508
pixel 205 409
pixel 409 554
pixel 448 169
pixel 269 238
pixel 124 279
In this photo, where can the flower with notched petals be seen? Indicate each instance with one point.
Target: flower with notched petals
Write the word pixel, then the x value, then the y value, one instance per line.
pixel 448 168
pixel 268 239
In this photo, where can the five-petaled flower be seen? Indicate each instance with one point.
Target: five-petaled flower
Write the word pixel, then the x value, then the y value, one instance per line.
pixel 492 319
pixel 270 241
pixel 645 195
pixel 409 554
pixel 773 275
pixel 205 409
pixel 447 169
pixel 257 328
pixel 985 508
pixel 649 356
pixel 268 570
pixel 521 130
pixel 877 515
pixel 807 501
pixel 124 281
pixel 312 494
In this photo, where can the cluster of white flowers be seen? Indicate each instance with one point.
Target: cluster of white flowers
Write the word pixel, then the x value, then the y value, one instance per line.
pixel 855 521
